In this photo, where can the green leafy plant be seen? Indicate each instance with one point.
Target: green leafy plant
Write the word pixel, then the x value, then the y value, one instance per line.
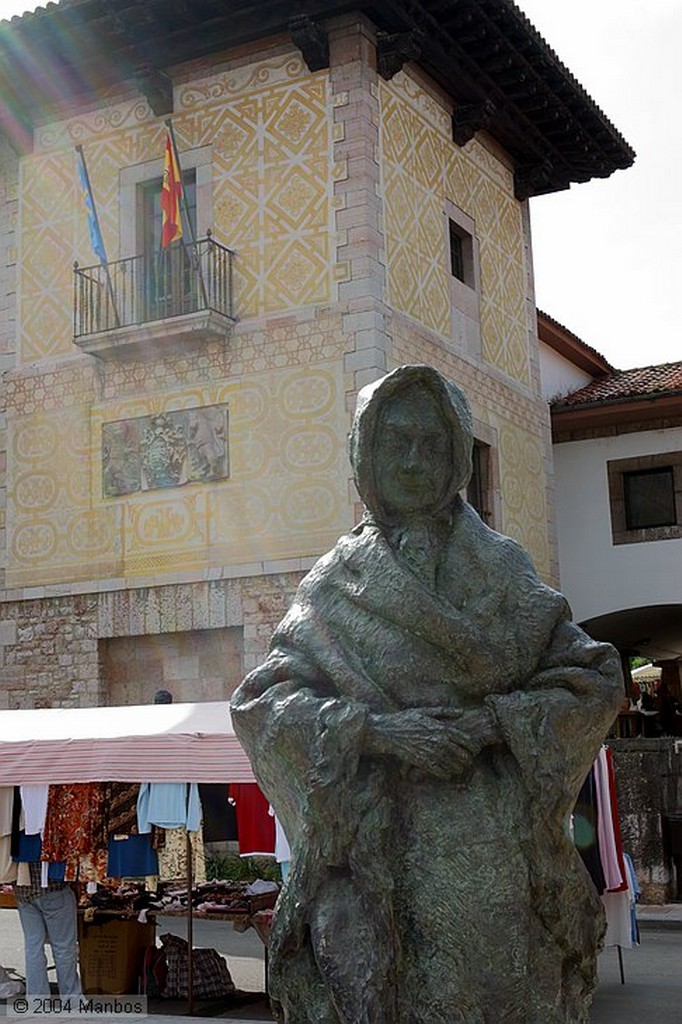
pixel 241 869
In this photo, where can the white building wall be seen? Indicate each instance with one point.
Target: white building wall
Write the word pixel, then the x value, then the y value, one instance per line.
pixel 558 376
pixel 597 576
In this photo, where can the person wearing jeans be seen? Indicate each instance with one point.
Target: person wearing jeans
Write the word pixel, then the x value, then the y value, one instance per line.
pixel 48 914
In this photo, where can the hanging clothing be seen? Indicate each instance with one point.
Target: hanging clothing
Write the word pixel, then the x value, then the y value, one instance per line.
pixel 120 801
pixel 131 857
pixel 173 856
pixel 8 868
pixel 17 820
pixel 75 830
pixel 585 831
pixel 30 852
pixel 255 826
pixel 622 928
pixel 34 801
pixel 634 892
pixel 611 852
pixel 170 805
pixel 282 848
pixel 220 819
pixel 615 817
pixel 618 923
pixel 6 808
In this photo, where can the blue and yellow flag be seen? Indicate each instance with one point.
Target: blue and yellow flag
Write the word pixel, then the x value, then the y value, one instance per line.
pixel 93 223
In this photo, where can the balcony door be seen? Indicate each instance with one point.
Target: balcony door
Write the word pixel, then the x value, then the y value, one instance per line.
pixel 168 283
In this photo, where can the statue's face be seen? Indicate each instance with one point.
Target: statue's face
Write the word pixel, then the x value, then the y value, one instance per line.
pixel 412 453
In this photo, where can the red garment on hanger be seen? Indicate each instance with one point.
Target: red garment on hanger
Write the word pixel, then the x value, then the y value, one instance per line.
pixel 255 826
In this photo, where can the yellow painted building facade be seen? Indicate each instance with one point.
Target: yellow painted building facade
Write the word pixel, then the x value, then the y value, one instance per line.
pixel 337 191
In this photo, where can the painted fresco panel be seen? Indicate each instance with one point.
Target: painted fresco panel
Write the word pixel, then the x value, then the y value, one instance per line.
pixel 165 450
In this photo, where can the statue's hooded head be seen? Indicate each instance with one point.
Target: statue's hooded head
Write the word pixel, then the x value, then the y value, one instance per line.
pixel 442 444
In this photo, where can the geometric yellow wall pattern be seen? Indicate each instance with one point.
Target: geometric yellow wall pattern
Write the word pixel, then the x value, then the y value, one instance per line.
pixel 269 128
pixel 522 485
pixel 287 495
pixel 55 533
pixel 272 183
pixel 421 168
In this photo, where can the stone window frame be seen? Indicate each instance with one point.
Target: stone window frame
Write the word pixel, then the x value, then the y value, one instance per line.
pixel 485 442
pixel 465 296
pixel 616 471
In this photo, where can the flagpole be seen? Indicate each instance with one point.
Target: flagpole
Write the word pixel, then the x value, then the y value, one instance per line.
pixel 197 264
pixel 103 262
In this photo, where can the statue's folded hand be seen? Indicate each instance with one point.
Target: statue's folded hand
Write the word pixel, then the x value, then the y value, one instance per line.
pixel 421 739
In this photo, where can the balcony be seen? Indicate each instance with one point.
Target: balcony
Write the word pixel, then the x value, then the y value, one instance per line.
pixel 152 305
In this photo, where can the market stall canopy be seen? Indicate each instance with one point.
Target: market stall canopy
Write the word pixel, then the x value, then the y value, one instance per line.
pixel 146 743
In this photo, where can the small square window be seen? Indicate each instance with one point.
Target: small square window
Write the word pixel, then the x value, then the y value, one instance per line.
pixel 461 264
pixel 649 498
pixel 645 495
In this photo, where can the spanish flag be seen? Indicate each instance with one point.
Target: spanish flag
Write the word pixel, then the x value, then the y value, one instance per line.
pixel 171 195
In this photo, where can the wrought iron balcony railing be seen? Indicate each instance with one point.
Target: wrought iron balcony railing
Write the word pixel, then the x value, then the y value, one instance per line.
pixel 174 282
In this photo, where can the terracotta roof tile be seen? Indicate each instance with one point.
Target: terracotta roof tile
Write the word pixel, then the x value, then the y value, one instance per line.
pixel 664 379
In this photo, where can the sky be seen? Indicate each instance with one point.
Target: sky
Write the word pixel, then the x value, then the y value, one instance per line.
pixel 608 253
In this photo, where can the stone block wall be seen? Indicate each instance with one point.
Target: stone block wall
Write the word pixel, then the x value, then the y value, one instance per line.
pixel 193 665
pixel 48 653
pixel 649 785
pixel 195 639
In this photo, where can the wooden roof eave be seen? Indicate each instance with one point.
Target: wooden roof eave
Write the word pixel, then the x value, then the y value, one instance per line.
pixel 619 412
pixel 484 55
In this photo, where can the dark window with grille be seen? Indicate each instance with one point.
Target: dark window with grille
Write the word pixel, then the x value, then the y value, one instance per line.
pixel 478 488
pixel 649 498
pixel 457 252
pixel 461 253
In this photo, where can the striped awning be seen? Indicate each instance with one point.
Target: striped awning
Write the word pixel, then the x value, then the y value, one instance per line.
pixel 135 743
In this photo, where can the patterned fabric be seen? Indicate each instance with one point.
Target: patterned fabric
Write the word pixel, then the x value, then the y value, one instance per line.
pixel 173 856
pixel 75 829
pixel 210 972
pixel 91 867
pixel 120 811
pixel 120 807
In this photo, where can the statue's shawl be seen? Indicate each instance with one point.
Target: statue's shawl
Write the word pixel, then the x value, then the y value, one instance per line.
pixel 364 635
